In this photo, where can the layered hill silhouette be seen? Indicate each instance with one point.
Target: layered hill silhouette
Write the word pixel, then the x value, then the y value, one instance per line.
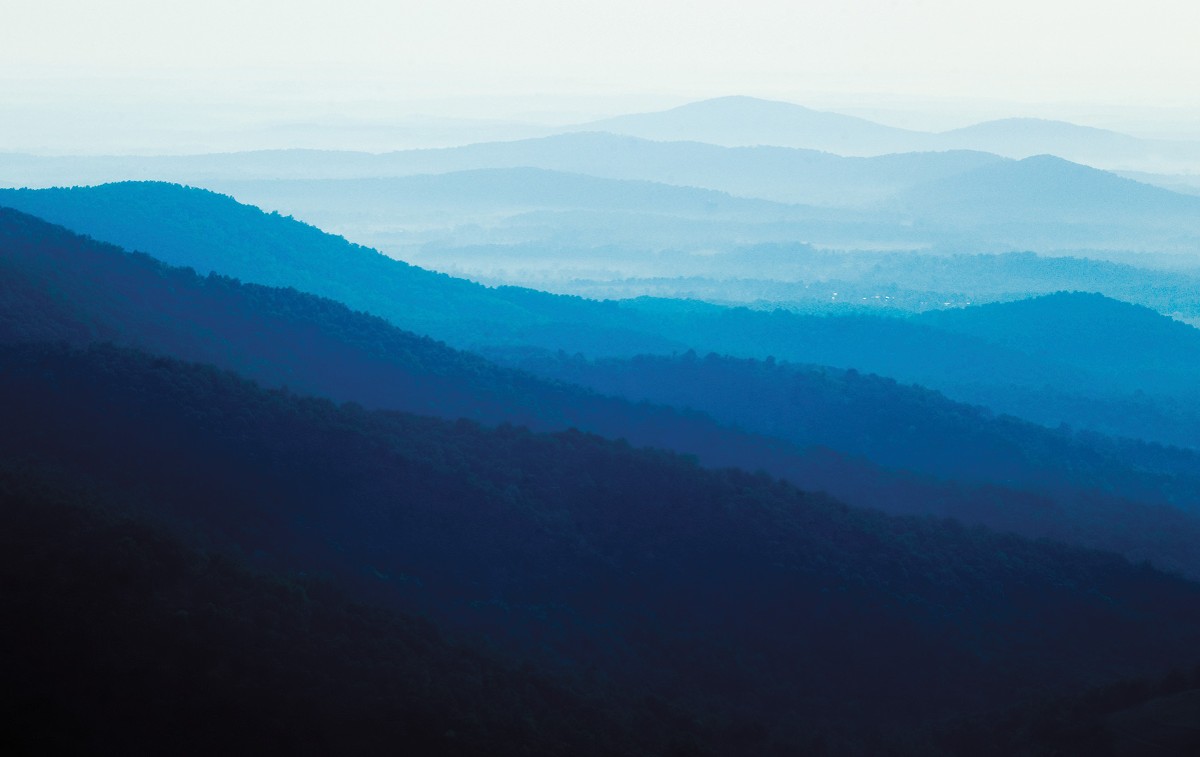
pixel 604 148
pixel 804 279
pixel 561 210
pixel 59 287
pixel 1045 189
pixel 903 427
pixel 980 278
pixel 125 634
pixel 948 201
pixel 911 201
pixel 1102 148
pixel 773 173
pixel 521 188
pixel 210 232
pixel 751 121
pixel 1151 359
pixel 500 197
pixel 1026 137
pixel 573 551
pixel 747 121
pixel 259 476
pixel 1091 331
pixel 580 191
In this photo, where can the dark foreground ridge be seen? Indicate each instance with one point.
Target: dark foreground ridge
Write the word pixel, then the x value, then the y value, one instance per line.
pixel 120 638
pixel 1132 498
pixel 772 621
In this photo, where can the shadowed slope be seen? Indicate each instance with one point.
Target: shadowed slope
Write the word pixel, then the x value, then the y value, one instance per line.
pixel 60 287
pixel 582 552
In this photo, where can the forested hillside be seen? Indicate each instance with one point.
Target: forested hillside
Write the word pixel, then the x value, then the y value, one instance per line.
pixel 1134 498
pixel 213 233
pixel 588 555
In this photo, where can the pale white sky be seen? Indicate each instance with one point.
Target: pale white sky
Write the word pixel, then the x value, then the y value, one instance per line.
pixel 299 56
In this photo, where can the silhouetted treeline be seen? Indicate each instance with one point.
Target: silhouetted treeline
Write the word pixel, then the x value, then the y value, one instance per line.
pixel 767 613
pixel 210 232
pixel 1007 473
pixel 1127 718
pixel 122 638
pixel 213 233
pixel 969 465
pixel 896 425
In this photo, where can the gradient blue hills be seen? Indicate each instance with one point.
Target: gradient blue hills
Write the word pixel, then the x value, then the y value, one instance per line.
pixel 740 121
pixel 1083 328
pixel 209 232
pixel 523 188
pixel 1039 132
pixel 776 173
pixel 576 553
pixel 60 287
pixel 1127 345
pixel 1046 189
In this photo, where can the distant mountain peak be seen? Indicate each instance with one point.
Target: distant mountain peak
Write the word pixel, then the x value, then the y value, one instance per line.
pixel 1088 325
pixel 1029 125
pixel 744 102
pixel 1048 188
pixel 738 120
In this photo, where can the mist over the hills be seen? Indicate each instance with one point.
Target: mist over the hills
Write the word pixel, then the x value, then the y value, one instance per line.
pixel 552 211
pixel 641 425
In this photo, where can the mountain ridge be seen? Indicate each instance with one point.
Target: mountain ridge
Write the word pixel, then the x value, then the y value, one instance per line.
pixel 57 286
pixel 210 232
pixel 610 552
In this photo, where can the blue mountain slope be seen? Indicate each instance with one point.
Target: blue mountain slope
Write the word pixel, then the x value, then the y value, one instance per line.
pixel 55 286
pixel 750 121
pixel 774 173
pixel 210 232
pixel 1045 189
pixel 510 189
pixel 783 174
pixel 1081 327
pixel 1095 333
pixel 1026 137
pixel 569 552
pixel 737 121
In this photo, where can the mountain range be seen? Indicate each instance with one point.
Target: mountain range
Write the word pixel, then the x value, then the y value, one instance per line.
pixel 747 121
pixel 258 475
pixel 803 279
pixel 62 288
pixel 634 568
pixel 633 184
pixel 213 233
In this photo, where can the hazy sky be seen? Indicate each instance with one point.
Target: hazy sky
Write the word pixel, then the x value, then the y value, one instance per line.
pixel 290 55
